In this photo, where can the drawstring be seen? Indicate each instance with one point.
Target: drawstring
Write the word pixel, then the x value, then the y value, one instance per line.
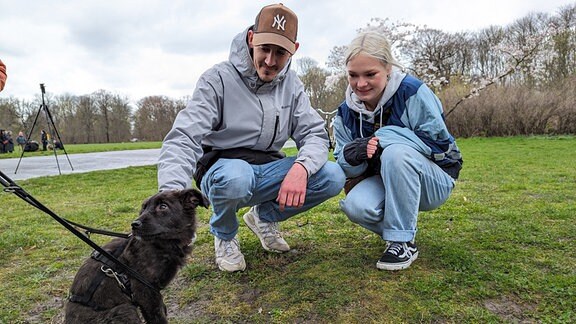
pixel 361 133
pixel 361 118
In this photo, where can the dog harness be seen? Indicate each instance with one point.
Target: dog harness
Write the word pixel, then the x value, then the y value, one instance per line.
pixel 106 270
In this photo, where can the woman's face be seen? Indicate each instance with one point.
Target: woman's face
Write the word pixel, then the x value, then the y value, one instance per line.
pixel 368 78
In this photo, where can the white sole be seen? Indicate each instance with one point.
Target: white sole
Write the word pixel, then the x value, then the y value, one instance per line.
pixel 397 266
pixel 254 229
pixel 241 267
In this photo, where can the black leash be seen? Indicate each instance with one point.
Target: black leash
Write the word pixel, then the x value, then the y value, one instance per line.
pixel 11 187
pixel 89 230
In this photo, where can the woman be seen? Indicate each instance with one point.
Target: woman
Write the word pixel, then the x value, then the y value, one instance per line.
pixel 21 140
pixel 394 147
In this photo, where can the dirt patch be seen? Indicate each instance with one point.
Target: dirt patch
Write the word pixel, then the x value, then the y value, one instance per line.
pixel 178 313
pixel 188 312
pixel 36 315
pixel 510 309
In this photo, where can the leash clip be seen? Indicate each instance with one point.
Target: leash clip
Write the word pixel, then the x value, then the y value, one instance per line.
pixel 112 274
pixel 11 189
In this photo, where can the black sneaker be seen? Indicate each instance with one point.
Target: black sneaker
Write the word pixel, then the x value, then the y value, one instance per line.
pixel 398 256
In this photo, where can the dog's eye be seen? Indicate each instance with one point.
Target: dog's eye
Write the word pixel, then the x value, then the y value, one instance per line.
pixel 162 206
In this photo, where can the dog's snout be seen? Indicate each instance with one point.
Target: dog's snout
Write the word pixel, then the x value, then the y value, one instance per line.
pixel 136 224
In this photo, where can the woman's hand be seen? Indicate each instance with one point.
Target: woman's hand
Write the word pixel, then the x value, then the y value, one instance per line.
pixel 360 149
pixel 372 147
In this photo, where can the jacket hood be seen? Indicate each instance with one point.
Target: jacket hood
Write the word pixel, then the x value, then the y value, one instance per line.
pixel 357 105
pixel 241 58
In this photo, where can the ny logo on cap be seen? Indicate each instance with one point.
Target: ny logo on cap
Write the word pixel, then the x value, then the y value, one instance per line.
pixel 279 22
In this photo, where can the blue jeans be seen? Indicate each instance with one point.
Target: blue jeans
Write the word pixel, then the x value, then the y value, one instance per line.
pixel 388 204
pixel 231 184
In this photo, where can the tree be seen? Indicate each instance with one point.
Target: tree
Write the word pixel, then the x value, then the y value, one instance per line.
pixel 487 62
pixel 154 117
pixel 86 116
pixel 66 107
pixel 119 119
pixel 10 117
pixel 436 56
pixel 564 44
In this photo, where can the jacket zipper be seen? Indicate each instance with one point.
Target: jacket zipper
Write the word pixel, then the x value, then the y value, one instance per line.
pixel 275 130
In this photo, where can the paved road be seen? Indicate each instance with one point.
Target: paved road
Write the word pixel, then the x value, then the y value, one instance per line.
pixel 39 166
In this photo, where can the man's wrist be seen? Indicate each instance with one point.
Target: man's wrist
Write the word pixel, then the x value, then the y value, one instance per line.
pixel 303 167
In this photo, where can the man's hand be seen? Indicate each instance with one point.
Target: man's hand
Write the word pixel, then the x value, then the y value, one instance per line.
pixel 293 189
pixel 2 75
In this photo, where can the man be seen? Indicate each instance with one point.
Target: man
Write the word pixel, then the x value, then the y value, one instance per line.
pixel 230 135
pixel 3 75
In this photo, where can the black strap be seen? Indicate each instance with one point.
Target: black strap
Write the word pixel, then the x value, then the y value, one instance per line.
pixel 89 230
pixel 86 298
pixel 11 186
pixel 107 270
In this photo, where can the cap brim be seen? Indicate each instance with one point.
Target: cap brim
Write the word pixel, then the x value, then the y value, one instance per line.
pixel 274 39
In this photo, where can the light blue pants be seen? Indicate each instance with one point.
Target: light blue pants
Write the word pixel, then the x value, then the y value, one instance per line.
pixel 388 204
pixel 231 184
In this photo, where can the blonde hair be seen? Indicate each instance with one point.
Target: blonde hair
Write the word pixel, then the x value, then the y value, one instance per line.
pixel 373 44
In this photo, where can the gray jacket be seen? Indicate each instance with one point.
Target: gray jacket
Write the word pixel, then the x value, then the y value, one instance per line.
pixel 232 108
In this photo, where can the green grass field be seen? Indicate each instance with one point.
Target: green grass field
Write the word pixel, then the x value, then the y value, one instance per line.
pixel 502 249
pixel 84 148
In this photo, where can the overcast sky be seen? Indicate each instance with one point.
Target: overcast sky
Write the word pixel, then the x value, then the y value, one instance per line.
pixel 160 47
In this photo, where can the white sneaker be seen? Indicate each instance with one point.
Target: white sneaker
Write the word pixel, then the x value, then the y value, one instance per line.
pixel 228 255
pixel 268 233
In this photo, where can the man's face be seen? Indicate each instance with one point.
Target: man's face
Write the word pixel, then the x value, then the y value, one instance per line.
pixel 268 59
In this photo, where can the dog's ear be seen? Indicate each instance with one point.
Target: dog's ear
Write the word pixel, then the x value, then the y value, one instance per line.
pixel 195 197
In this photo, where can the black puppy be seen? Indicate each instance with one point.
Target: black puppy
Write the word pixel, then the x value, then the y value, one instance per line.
pixel 160 242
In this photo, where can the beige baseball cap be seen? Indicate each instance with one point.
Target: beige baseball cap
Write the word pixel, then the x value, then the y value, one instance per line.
pixel 277 25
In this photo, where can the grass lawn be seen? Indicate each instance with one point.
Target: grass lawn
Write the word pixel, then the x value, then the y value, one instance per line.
pixel 502 249
pixel 85 148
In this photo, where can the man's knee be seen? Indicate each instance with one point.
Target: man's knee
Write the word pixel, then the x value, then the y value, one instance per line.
pixel 234 176
pixel 332 178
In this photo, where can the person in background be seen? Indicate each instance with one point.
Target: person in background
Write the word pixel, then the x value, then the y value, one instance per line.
pixel 3 141
pixel 58 145
pixel 21 140
pixel 230 136
pixel 44 139
pixel 3 75
pixel 394 147
pixel 9 142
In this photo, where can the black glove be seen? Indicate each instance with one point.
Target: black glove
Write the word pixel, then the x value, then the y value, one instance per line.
pixel 355 152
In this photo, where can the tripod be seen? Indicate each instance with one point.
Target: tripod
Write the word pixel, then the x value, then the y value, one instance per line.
pixel 51 130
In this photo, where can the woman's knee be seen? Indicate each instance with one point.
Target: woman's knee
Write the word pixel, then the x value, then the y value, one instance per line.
pixel 398 157
pixel 355 210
